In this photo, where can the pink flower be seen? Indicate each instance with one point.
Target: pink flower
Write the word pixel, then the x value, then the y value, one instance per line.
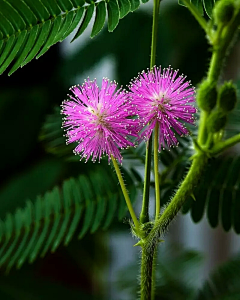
pixel 163 97
pixel 99 120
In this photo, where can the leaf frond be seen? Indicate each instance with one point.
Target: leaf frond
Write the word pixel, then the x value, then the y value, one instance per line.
pixel 29 28
pixel 83 204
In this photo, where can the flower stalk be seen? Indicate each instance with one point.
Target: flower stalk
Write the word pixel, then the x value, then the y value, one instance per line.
pixel 156 173
pixel 125 193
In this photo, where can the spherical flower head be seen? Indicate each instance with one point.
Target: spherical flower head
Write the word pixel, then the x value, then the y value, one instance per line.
pixel 163 98
pixel 99 120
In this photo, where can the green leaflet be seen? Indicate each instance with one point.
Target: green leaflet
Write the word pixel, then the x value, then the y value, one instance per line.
pixel 7 49
pixel 134 4
pixel 78 3
pixel 90 207
pixel 67 195
pixel 38 9
pixel 18 227
pixel 17 46
pixel 27 15
pixel 66 22
pixel 44 212
pixel 99 19
pixel 226 212
pixel 27 220
pixel 5 27
pixel 37 213
pixel 125 7
pixel 8 228
pixel 113 14
pixel 200 4
pixel 87 17
pixel 112 206
pixel 218 194
pixel 31 38
pixel 74 24
pixel 65 5
pixel 56 206
pixel 46 27
pixel 52 7
pixel 208 6
pixel 12 15
pixel 78 209
pixel 52 35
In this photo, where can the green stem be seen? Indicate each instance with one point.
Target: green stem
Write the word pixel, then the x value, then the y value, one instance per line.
pixel 196 14
pixel 144 216
pixel 156 7
pixel 125 193
pixel 156 174
pixel 202 131
pixel 219 147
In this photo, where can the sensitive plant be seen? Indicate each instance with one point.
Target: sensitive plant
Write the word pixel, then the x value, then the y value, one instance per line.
pixel 156 107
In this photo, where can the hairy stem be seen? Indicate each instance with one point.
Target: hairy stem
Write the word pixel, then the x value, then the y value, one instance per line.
pixel 152 240
pixel 125 193
pixel 154 273
pixel 156 174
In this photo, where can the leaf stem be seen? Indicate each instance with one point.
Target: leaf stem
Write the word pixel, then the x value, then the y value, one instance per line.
pixel 156 174
pixel 144 216
pixel 125 193
pixel 219 147
pixel 196 14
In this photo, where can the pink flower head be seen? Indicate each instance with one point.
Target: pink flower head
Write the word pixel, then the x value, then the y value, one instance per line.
pixel 163 97
pixel 99 120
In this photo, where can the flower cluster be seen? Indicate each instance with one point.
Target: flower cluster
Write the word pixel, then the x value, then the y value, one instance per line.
pixel 99 120
pixel 163 98
pixel 104 120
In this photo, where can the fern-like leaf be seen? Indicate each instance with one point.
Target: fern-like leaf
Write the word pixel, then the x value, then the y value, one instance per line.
pixel 218 194
pixel 29 28
pixel 82 204
pixel 223 283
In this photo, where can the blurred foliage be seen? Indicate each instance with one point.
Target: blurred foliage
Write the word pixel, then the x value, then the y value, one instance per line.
pixel 55 217
pixel 176 273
